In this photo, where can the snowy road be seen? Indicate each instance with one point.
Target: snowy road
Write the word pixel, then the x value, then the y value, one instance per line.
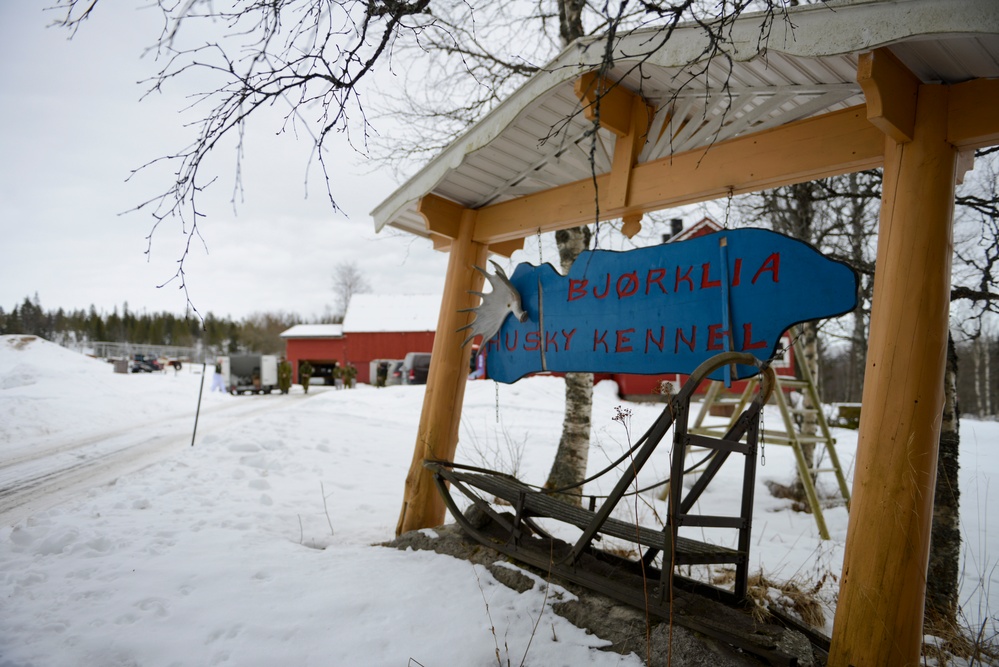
pixel 43 472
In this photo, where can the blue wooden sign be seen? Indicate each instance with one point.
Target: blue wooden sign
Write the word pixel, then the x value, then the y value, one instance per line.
pixel 667 308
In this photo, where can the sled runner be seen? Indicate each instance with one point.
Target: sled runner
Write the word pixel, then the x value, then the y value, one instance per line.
pixel 646 582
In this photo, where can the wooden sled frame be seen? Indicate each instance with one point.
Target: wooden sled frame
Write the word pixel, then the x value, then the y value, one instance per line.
pixel 635 582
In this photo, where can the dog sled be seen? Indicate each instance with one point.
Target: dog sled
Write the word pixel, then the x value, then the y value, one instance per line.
pixel 517 519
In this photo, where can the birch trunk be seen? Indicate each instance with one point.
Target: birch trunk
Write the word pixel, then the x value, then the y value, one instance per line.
pixel 976 355
pixel 569 467
pixel 986 350
pixel 945 536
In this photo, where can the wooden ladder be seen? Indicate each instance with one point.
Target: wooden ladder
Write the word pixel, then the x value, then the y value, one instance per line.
pixel 789 435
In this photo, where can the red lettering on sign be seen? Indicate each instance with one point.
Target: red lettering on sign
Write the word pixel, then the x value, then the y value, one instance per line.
pixel 771 264
pixel 509 347
pixel 606 289
pixel 655 277
pixel 622 344
pixel 532 341
pixel 716 337
pixel 551 340
pixel 737 272
pixel 627 285
pixel 493 343
pixel 649 337
pixel 706 281
pixel 680 337
pixel 577 289
pixel 600 339
pixel 683 278
pixel 747 338
pixel 568 338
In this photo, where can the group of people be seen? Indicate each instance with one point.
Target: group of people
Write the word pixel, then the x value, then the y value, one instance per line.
pixel 343 376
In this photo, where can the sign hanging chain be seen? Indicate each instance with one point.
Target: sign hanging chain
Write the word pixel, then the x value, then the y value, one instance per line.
pixel 763 431
pixel 728 207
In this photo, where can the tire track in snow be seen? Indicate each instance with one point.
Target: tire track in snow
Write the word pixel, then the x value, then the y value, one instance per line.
pixel 30 484
pixel 61 443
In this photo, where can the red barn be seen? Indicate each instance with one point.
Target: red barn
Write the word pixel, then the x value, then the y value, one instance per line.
pixel 322 345
pixel 376 326
pixel 380 326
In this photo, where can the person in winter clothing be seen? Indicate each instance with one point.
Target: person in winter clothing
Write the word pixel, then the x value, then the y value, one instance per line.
pixel 218 382
pixel 304 375
pixel 284 376
pixel 349 373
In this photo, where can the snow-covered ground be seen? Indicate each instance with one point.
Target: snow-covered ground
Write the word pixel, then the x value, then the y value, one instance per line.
pixel 257 546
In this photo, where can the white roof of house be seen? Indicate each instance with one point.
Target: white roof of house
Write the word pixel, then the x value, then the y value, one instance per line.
pixel 314 331
pixel 799 67
pixel 369 313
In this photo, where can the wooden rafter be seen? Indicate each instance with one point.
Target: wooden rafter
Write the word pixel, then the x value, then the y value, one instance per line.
pixel 835 143
pixel 891 91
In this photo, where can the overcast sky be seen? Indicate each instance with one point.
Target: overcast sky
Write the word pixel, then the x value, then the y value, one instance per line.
pixel 72 128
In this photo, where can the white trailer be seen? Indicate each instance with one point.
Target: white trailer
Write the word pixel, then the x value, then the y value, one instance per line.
pixel 250 373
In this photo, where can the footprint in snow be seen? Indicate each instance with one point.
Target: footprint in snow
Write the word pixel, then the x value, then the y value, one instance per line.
pixel 157 606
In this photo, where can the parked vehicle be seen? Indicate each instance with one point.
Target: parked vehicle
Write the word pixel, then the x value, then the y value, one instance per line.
pixel 388 365
pixel 415 368
pixel 145 364
pixel 250 373
pixel 394 373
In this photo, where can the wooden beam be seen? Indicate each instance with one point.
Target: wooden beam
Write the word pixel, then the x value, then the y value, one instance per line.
pixel 441 243
pixel 624 113
pixel 437 435
pixel 503 249
pixel 441 216
pixel 631 225
pixel 890 89
pixel 831 144
pixel 610 101
pixel 507 248
pixel 973 120
pixel 626 151
pixel 879 616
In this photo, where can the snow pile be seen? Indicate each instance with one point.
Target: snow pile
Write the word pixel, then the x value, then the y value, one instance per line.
pixel 255 546
pixel 48 390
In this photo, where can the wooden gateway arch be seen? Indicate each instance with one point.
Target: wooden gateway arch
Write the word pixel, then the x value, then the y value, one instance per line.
pixel 911 86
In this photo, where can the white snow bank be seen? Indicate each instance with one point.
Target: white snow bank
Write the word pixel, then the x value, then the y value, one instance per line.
pixel 223 553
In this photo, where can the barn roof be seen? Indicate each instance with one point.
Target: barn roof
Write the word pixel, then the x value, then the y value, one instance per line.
pixel 314 331
pixel 805 65
pixel 374 313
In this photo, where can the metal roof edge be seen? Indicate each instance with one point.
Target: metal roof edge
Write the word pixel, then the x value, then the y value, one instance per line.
pixel 807 31
pixel 475 137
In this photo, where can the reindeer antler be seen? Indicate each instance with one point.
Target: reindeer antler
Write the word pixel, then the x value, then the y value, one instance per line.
pixel 495 306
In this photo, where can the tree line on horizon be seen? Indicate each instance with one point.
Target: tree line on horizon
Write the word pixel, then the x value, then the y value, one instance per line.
pixel 257 333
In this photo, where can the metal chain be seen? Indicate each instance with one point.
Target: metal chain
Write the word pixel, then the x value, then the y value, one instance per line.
pixel 541 257
pixel 763 437
pixel 728 207
pixel 496 384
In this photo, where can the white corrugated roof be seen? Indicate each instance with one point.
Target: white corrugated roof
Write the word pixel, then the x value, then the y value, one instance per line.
pixel 803 65
pixel 314 331
pixel 369 313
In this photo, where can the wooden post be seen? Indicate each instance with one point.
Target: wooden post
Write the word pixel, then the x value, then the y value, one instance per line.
pixel 437 436
pixel 879 615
